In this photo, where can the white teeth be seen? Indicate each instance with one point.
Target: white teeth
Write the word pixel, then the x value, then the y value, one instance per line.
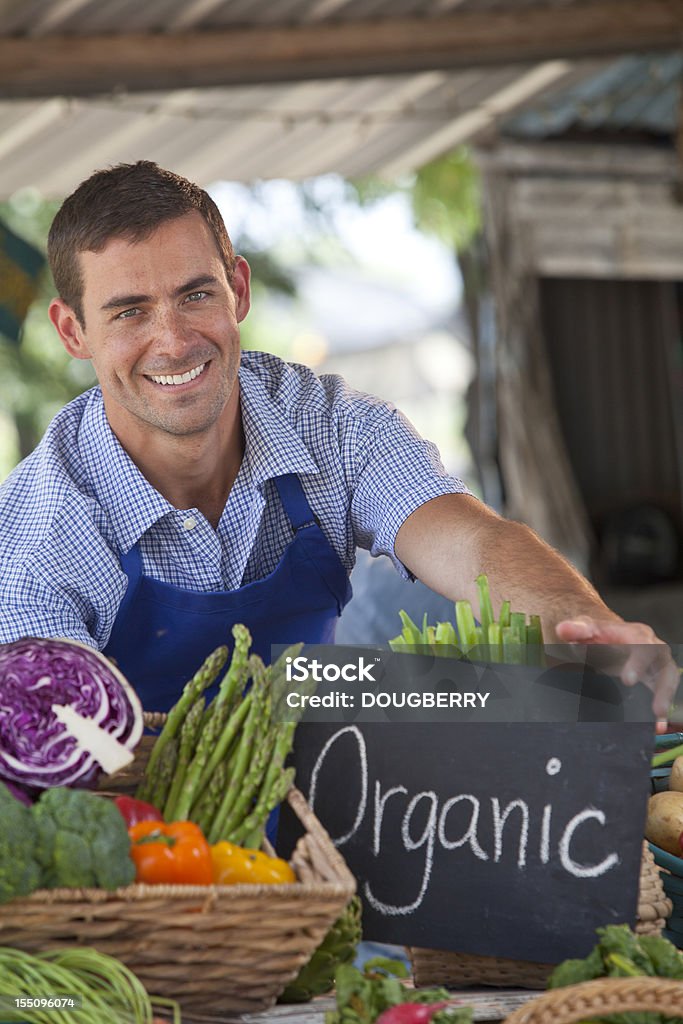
pixel 177 378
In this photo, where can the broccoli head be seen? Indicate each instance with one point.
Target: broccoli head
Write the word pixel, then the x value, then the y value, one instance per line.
pixel 82 840
pixel 19 870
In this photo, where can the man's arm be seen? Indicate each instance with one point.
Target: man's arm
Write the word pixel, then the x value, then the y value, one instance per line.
pixel 449 540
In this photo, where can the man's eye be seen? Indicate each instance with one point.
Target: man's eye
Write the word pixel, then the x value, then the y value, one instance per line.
pixel 126 314
pixel 195 296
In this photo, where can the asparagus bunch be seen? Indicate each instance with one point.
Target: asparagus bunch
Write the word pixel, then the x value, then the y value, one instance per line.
pixel 221 764
pixel 514 638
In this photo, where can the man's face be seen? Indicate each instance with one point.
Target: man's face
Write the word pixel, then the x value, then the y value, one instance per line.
pixel 161 329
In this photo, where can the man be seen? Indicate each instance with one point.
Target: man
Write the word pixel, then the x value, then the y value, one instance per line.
pixel 197 486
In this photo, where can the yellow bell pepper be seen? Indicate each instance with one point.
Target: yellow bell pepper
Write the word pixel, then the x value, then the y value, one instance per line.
pixel 233 864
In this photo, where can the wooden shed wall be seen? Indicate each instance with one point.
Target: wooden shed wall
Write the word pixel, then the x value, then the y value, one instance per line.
pixel 560 221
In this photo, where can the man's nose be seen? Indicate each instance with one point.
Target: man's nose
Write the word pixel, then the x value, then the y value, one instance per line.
pixel 170 328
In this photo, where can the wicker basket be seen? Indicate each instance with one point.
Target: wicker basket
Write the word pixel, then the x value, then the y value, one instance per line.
pixel 215 949
pixel 455 970
pixel 670 867
pixel 593 1000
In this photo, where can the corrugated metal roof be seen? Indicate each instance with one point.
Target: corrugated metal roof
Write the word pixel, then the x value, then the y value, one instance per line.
pixel 352 126
pixel 349 126
pixel 631 95
pixel 86 17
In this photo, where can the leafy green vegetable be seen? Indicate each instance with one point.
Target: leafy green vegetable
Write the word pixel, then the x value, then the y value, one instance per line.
pixel 338 947
pixel 621 953
pixel 81 840
pixel 19 870
pixel 363 995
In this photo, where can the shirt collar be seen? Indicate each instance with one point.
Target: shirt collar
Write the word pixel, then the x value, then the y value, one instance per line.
pixel 272 448
pixel 272 445
pixel 132 504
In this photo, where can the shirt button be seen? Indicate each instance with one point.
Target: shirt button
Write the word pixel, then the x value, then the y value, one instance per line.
pixel 189 523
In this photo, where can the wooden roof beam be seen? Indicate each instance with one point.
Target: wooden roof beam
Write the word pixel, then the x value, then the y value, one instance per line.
pixel 87 65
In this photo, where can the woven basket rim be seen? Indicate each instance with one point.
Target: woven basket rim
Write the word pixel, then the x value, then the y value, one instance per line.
pixel 600 997
pixel 140 891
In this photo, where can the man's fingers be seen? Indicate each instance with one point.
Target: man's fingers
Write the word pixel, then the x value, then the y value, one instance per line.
pixel 584 629
pixel 637 655
pixel 658 672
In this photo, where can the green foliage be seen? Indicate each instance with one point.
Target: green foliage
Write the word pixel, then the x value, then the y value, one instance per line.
pixel 19 870
pixel 445 196
pixel 338 947
pixel 82 840
pixel 38 376
pixel 362 996
pixel 620 953
pixel 447 200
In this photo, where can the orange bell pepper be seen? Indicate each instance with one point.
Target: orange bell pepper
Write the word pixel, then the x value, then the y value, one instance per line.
pixel 176 853
pixel 233 864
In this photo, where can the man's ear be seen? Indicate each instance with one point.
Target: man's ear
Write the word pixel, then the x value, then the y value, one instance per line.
pixel 69 329
pixel 241 278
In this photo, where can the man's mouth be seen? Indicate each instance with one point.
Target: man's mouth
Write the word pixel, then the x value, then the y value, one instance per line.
pixel 177 378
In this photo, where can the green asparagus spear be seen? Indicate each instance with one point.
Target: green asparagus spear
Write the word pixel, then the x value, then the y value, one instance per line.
pixel 189 734
pixel 204 676
pixel 250 788
pixel 250 833
pixel 211 747
pixel 256 724
pixel 161 782
pixel 203 810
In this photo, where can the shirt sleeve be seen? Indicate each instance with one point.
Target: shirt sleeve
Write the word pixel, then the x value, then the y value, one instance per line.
pixel 30 608
pixel 397 472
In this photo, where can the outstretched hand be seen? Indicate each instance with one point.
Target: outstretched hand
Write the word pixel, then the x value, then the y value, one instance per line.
pixel 644 657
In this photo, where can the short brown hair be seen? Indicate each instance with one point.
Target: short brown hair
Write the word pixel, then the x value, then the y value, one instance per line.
pixel 125 201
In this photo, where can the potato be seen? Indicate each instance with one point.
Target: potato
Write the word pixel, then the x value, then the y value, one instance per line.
pixel 665 821
pixel 676 778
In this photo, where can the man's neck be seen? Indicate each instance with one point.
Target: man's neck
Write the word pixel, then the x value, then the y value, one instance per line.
pixel 197 476
pixel 196 471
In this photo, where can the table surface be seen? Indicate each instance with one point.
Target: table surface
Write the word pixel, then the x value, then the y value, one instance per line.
pixel 488 1005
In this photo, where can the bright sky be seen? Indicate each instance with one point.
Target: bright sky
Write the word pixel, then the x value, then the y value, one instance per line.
pixel 381 237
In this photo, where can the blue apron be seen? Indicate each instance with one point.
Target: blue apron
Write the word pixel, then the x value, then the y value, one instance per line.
pixel 162 633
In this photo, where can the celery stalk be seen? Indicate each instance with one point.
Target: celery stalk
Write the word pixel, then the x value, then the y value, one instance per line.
pixel 495 638
pixel 411 634
pixel 512 648
pixel 465 622
pixel 486 616
pixel 504 617
pixel 534 639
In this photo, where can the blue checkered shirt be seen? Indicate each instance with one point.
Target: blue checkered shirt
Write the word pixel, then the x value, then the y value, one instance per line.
pixel 71 507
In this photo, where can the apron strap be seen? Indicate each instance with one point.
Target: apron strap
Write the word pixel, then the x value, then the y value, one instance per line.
pixel 294 501
pixel 131 563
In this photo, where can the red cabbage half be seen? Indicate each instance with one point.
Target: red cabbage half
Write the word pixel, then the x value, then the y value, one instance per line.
pixel 36 749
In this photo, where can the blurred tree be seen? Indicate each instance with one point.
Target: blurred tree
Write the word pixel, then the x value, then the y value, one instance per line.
pixel 38 377
pixel 445 197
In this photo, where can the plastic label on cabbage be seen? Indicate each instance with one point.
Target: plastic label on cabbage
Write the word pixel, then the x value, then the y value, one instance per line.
pixel 37 750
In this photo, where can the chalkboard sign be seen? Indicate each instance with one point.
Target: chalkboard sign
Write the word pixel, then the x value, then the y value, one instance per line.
pixel 503 838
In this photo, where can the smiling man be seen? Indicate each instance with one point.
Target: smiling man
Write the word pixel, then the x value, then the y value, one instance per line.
pixel 199 486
